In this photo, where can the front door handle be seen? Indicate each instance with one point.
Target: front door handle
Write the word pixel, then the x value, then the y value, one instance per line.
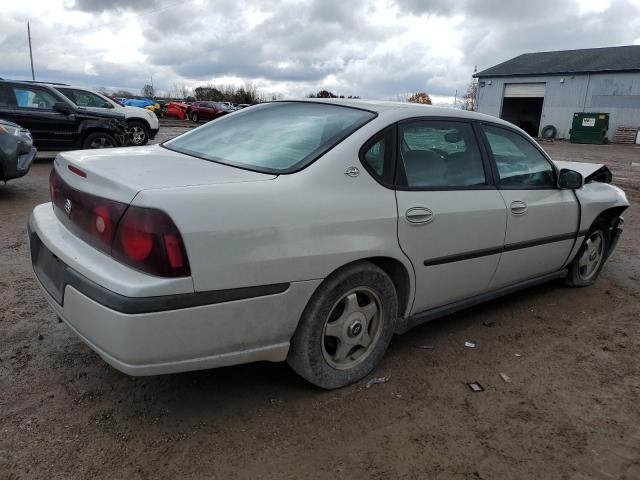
pixel 419 215
pixel 518 207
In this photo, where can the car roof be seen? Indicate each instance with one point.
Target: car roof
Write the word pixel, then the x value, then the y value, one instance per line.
pixel 408 110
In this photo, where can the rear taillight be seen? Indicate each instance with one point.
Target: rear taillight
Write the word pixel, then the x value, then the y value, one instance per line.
pixel 143 238
pixel 148 239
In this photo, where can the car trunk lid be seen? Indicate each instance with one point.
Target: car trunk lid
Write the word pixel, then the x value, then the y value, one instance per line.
pixel 120 173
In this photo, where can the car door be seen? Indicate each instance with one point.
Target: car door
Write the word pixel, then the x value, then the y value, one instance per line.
pixel 451 218
pixel 207 110
pixel 7 103
pixel 50 129
pixel 542 220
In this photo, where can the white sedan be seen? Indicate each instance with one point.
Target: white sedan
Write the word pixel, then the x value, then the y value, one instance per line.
pixel 311 232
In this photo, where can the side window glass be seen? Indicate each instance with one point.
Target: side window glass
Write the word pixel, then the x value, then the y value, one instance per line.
pixel 377 156
pixel 7 100
pixel 519 163
pixel 438 154
pixel 34 98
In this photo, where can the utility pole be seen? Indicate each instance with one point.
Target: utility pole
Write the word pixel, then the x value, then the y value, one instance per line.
pixel 33 75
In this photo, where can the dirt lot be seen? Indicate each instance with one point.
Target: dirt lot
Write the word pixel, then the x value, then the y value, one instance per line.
pixel 571 411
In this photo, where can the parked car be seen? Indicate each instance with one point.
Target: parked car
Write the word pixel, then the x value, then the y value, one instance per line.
pixel 54 122
pixel 142 125
pixel 176 109
pixel 310 231
pixel 206 111
pixel 16 151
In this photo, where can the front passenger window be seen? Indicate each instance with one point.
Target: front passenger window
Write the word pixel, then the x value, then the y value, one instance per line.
pixel 520 164
pixel 440 154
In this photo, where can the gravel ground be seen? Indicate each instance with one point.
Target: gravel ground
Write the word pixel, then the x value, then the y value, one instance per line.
pixel 570 410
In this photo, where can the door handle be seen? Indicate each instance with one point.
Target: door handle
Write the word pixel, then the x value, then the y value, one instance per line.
pixel 419 215
pixel 518 207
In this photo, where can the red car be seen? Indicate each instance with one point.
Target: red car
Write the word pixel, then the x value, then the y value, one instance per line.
pixel 176 109
pixel 206 111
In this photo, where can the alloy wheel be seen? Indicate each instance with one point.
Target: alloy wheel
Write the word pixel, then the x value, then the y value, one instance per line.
pixel 137 134
pixel 352 329
pixel 101 142
pixel 592 256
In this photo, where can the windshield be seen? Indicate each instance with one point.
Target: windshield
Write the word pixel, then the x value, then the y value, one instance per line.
pixel 279 137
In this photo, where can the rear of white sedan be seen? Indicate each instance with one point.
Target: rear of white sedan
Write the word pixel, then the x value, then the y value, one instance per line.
pixel 141 253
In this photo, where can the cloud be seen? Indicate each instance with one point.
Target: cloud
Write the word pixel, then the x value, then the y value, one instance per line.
pixel 370 48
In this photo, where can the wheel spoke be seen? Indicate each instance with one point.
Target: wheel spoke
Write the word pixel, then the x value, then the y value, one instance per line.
pixel 351 305
pixel 369 310
pixel 342 351
pixel 366 339
pixel 334 329
pixel 584 259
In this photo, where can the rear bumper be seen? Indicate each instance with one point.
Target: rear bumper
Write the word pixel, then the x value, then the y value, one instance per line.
pixel 153 132
pixel 161 334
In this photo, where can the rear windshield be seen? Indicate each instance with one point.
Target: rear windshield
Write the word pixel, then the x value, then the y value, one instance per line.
pixel 279 137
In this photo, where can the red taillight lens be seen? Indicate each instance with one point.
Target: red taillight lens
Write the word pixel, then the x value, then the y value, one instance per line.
pixel 143 238
pixel 148 240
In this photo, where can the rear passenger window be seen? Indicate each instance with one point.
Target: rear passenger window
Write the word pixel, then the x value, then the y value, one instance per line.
pixel 7 100
pixel 440 154
pixel 377 156
pixel 34 98
pixel 520 164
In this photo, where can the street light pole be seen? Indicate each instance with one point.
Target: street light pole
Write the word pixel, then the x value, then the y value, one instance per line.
pixel 33 75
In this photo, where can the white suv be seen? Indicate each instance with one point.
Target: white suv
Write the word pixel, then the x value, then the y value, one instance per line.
pixel 142 124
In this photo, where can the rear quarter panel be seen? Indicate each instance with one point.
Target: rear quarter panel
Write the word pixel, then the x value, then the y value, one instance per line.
pixel 300 226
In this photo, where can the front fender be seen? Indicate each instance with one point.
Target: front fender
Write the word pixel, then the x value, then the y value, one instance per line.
pixel 595 198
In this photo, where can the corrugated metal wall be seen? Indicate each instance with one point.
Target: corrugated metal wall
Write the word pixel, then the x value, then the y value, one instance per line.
pixel 615 93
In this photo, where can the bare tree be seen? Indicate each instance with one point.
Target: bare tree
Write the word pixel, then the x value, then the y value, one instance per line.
pixel 147 91
pixel 470 99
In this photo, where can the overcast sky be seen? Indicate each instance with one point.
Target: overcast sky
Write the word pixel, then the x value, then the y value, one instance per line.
pixel 371 48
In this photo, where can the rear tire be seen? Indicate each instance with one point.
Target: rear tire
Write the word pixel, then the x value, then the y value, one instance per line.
pixel 346 327
pixel 588 262
pixel 99 140
pixel 194 117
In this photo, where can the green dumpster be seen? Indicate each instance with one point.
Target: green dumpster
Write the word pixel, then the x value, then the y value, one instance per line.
pixel 589 127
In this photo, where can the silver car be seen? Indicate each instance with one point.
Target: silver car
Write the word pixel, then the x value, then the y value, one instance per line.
pixel 311 232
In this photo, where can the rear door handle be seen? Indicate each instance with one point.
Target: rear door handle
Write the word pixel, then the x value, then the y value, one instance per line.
pixel 419 215
pixel 518 207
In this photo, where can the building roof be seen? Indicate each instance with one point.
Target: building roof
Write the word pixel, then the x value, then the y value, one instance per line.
pixel 588 60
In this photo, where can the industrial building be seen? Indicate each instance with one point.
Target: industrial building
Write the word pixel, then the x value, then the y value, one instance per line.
pixel 535 90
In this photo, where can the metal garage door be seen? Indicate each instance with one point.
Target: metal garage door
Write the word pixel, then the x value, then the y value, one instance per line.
pixel 528 90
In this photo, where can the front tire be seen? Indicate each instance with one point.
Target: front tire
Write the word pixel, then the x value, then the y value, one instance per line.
pixel 346 327
pixel 589 260
pixel 138 133
pixel 194 117
pixel 99 140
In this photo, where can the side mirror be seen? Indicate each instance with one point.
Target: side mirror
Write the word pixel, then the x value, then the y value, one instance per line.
pixel 570 179
pixel 62 107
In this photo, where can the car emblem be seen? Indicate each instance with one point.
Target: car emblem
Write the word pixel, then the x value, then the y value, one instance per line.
pixel 68 206
pixel 352 172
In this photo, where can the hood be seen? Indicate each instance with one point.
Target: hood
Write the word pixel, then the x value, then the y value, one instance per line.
pixel 590 171
pixel 100 112
pixel 120 173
